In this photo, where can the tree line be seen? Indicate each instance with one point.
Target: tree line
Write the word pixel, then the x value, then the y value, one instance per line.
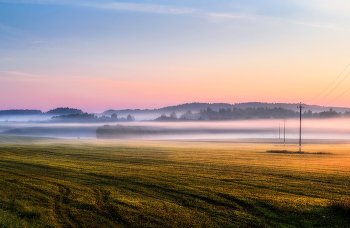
pixel 249 113
pixel 86 117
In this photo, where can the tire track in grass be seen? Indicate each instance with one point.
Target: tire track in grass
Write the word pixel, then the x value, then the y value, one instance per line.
pixel 62 208
pixel 66 208
pixel 105 208
pixel 72 213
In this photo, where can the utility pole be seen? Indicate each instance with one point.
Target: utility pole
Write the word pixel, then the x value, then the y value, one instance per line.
pixel 300 127
pixel 284 129
pixel 279 131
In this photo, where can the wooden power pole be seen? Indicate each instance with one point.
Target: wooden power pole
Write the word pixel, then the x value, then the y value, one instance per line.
pixel 284 132
pixel 300 107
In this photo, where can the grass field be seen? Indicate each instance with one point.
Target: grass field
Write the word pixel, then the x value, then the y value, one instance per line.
pixel 97 183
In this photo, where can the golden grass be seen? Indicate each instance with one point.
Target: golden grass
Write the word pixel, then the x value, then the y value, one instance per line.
pixel 126 183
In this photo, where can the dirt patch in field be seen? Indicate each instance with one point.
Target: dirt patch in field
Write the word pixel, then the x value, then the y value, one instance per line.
pixel 296 152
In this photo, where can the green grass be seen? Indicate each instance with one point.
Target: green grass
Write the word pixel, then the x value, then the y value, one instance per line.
pixel 172 184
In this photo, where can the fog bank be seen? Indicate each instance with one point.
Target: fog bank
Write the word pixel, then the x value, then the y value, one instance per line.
pixel 270 128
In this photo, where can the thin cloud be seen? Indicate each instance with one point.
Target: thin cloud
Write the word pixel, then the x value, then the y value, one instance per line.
pixel 44 2
pixel 108 5
pixel 11 30
pixel 322 25
pixel 149 8
pixel 229 15
pixel 167 9
pixel 329 26
pixel 325 6
pixel 219 17
pixel 18 77
pixel 7 60
pixel 38 42
pixel 17 73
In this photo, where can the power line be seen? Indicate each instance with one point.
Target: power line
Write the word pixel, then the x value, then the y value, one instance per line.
pixel 338 97
pixel 330 84
pixel 334 88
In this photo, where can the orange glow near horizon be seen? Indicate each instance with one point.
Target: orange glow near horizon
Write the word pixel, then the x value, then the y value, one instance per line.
pixel 152 55
pixel 99 94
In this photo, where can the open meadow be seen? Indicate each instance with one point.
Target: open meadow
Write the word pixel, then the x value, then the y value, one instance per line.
pixel 125 183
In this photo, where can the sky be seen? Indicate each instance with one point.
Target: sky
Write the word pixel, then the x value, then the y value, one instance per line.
pixel 99 54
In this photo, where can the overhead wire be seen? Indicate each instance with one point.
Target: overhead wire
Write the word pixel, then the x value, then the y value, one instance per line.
pixel 333 88
pixel 338 96
pixel 329 84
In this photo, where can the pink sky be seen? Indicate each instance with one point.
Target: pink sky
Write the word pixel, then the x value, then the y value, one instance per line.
pixel 29 91
pixel 101 55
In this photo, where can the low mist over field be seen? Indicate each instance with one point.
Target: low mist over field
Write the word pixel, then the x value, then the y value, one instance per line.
pixel 311 129
pixel 250 120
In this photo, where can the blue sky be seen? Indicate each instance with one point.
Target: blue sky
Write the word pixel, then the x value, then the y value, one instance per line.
pixel 185 51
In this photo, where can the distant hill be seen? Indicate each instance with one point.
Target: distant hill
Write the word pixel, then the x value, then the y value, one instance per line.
pixel 64 111
pixel 20 112
pixel 196 107
pixel 151 114
pixel 56 111
pixel 291 106
pixel 89 118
